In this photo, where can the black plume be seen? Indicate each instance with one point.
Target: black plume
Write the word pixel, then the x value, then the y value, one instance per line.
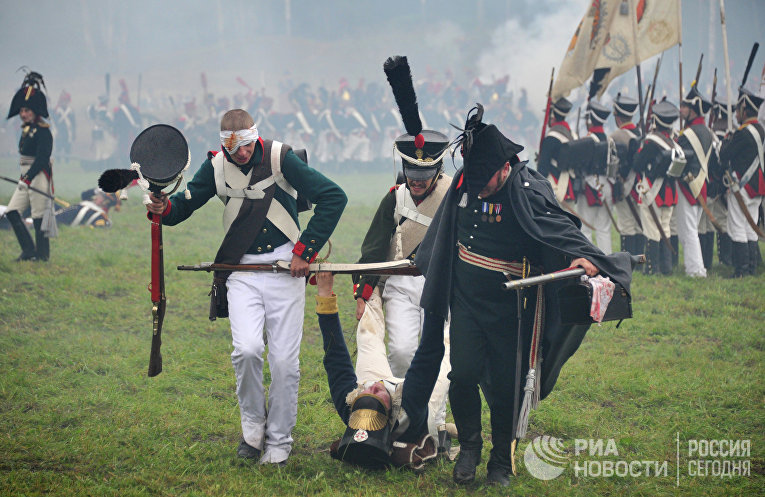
pixel 113 180
pixel 400 78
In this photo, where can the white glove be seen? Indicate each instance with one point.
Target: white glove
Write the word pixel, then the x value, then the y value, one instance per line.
pixel 23 185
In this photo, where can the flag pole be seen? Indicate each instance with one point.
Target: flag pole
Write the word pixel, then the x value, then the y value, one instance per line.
pixel 727 63
pixel 633 15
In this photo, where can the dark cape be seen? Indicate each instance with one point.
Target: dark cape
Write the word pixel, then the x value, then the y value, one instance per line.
pixel 559 235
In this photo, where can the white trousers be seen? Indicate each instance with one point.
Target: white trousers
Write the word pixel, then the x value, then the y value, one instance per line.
pixel 628 226
pixel 598 217
pixel 650 230
pixel 738 227
pixel 274 302
pixel 403 318
pixel 688 217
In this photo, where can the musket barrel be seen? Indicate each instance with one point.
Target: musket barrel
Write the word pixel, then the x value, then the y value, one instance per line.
pixel 543 278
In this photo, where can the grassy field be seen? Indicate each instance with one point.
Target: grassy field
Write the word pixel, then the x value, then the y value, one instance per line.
pixel 78 415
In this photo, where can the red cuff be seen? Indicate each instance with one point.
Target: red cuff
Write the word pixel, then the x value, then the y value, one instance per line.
pixel 366 293
pixel 299 249
pixel 164 213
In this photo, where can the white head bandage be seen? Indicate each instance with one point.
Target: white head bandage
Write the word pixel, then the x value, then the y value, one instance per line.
pixel 232 140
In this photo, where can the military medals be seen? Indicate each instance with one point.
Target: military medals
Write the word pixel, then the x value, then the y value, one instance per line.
pixel 491 212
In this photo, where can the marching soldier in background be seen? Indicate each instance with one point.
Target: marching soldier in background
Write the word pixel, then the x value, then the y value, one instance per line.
pixel 557 135
pixel 35 147
pixel 741 156
pixel 597 188
pixel 716 201
pixel 127 122
pixel 65 126
pixel 697 142
pixel 397 229
pixel 657 190
pixel 627 139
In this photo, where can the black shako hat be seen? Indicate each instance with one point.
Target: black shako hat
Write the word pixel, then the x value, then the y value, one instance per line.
pixel 31 96
pixel 484 149
pixel 625 106
pixel 421 150
pixel 696 101
pixel 367 439
pixel 665 114
pixel 562 107
pixel 597 112
pixel 749 100
pixel 720 107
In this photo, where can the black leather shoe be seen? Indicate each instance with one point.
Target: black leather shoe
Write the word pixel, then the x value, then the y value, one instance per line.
pixel 497 475
pixel 247 451
pixel 464 469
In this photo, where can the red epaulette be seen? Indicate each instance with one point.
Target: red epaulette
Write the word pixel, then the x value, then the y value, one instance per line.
pixel 212 153
pixel 459 183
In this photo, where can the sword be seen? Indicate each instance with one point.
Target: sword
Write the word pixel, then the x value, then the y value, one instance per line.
pixel 400 267
pixel 556 276
pixel 735 189
pixel 62 203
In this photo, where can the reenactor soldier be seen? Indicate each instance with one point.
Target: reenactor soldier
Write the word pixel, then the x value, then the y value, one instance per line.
pixel 396 231
pixel 35 147
pixel 716 200
pixel 741 157
pixel 657 191
pixel 558 135
pixel 627 140
pixel 697 142
pixel 593 206
pixel 64 124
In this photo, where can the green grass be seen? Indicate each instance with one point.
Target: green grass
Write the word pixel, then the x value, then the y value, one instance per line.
pixel 78 416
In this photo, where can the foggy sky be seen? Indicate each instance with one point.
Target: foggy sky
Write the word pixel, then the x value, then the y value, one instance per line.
pixel 73 44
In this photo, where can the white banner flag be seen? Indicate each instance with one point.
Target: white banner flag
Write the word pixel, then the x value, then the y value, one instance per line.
pixel 658 28
pixel 585 47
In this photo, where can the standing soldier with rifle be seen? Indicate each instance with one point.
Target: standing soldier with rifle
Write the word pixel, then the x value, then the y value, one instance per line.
pixel 657 190
pixel 741 157
pixel 716 201
pixel 558 135
pixel 627 140
pixel 35 187
pixel 593 206
pixel 697 142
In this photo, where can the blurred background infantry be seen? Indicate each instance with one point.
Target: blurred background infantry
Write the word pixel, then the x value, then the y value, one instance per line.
pixel 35 147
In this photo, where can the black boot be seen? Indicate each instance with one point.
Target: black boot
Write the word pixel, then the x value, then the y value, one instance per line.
pixel 740 259
pixel 470 456
pixel 625 246
pixel 43 242
pixel 667 260
pixel 724 249
pixel 639 244
pixel 706 240
pixel 500 467
pixel 675 257
pixel 23 236
pixel 652 253
pixel 755 257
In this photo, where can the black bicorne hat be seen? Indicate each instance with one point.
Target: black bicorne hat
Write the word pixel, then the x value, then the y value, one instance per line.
pixel 31 96
pixel 367 439
pixel 484 149
pixel 748 99
pixel 159 155
pixel 597 112
pixel 696 101
pixel 665 114
pixel 420 150
pixel 562 107
pixel 624 105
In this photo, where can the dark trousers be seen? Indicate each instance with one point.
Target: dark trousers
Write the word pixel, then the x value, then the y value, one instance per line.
pixel 484 341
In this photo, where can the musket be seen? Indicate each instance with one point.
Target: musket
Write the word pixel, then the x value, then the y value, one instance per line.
pixel 578 117
pixel 650 97
pixel 403 267
pixel 556 276
pixel 713 115
pixel 663 235
pixel 547 108
pixel 157 294
pixel 566 206
pixel 62 203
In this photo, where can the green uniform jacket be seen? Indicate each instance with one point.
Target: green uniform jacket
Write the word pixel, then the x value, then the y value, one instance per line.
pixel 328 198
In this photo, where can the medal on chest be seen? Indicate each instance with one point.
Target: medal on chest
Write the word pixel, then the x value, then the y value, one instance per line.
pixel 491 212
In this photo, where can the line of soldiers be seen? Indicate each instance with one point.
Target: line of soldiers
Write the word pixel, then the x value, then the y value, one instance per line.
pixel 667 187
